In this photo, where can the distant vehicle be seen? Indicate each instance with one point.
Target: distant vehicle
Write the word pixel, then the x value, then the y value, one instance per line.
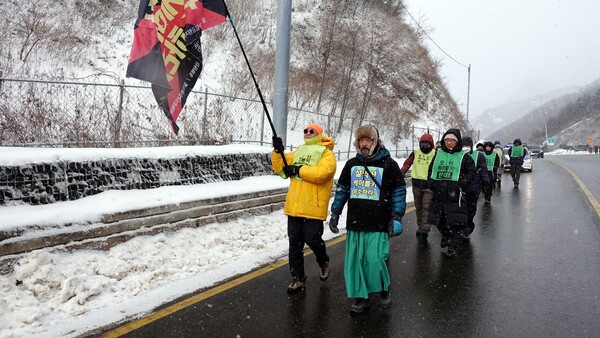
pixel 527 160
pixel 580 147
pixel 536 151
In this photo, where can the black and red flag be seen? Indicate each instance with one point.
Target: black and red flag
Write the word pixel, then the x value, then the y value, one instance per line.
pixel 166 48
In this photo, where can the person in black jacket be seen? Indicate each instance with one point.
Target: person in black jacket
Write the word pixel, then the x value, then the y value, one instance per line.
pixel 374 188
pixel 450 174
pixel 474 189
pixel 492 163
pixel 516 155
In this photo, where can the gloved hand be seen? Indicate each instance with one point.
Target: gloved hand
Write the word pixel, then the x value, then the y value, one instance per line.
pixel 278 145
pixel 395 226
pixel 292 170
pixel 333 221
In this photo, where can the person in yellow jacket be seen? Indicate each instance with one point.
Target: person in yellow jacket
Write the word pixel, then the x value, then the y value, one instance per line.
pixel 310 169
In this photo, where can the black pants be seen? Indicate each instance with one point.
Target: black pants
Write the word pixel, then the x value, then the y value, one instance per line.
pixel 472 198
pixel 451 232
pixel 305 231
pixel 487 187
pixel 515 172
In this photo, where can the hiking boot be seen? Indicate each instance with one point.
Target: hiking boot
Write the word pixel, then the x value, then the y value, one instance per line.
pixel 325 272
pixel 296 285
pixel 359 305
pixel 386 299
pixel 452 252
pixel 444 242
pixel 422 234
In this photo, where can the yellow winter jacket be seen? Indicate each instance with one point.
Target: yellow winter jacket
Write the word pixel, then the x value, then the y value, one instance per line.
pixel 309 196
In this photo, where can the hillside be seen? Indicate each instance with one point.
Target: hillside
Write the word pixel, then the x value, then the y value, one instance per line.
pixel 352 60
pixel 492 123
pixel 571 118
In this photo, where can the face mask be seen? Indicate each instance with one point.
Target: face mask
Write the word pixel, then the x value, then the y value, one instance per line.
pixel 466 148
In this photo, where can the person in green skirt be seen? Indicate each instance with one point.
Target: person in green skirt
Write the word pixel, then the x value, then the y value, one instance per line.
pixel 374 188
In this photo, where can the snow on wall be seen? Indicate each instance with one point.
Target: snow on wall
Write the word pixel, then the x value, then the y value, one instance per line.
pixel 43 183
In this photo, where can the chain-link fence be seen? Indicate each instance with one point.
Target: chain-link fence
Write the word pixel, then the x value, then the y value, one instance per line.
pixel 37 113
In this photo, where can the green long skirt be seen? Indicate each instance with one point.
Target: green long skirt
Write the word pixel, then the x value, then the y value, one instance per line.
pixel 365 268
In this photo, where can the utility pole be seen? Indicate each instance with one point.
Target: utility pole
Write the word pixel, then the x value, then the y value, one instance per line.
pixel 468 91
pixel 282 67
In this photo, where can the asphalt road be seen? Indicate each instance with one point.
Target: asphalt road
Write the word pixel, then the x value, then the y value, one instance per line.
pixel 531 269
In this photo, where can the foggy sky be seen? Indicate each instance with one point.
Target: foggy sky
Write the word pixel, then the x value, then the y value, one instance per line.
pixel 516 48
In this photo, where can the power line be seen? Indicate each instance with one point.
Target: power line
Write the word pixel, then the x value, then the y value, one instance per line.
pixel 424 32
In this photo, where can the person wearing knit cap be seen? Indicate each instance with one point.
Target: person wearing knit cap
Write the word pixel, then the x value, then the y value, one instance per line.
pixel 451 172
pixel 474 189
pixel 516 155
pixel 374 188
pixel 419 160
pixel 500 152
pixel 492 164
pixel 310 169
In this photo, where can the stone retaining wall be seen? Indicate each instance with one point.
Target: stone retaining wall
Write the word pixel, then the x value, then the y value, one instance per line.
pixel 65 180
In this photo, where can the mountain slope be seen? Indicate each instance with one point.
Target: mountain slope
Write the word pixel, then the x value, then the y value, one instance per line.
pixel 493 122
pixel 571 118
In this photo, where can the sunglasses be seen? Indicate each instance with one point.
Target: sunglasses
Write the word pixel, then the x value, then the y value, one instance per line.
pixel 310 131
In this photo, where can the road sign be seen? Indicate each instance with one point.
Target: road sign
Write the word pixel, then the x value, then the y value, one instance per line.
pixel 551 141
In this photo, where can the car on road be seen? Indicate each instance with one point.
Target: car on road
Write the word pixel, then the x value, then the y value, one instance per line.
pixel 527 160
pixel 536 151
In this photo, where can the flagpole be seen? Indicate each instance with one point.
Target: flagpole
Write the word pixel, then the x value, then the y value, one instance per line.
pixel 262 99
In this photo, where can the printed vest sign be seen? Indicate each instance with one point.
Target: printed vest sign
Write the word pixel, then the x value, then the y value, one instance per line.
pixel 490 159
pixel 421 163
pixel 446 166
pixel 517 151
pixel 362 185
pixel 307 155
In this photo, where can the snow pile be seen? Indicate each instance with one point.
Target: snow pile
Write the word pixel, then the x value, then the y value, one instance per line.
pixel 58 294
pixel 54 294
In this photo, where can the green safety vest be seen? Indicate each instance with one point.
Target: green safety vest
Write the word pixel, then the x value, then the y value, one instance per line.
pixel 446 167
pixel 490 159
pixel 517 151
pixel 475 156
pixel 420 166
pixel 307 154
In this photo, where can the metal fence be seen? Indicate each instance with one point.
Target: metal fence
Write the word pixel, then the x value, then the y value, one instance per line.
pixel 35 113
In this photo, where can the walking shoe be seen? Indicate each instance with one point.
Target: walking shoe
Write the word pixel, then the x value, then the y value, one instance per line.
pixel 444 242
pixel 296 285
pixel 325 271
pixel 359 305
pixel 422 233
pixel 386 299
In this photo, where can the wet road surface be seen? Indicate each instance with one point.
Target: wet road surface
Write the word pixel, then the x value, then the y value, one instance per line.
pixel 531 269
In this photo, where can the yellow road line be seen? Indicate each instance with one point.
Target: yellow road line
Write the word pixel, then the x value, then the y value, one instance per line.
pixel 584 188
pixel 158 314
